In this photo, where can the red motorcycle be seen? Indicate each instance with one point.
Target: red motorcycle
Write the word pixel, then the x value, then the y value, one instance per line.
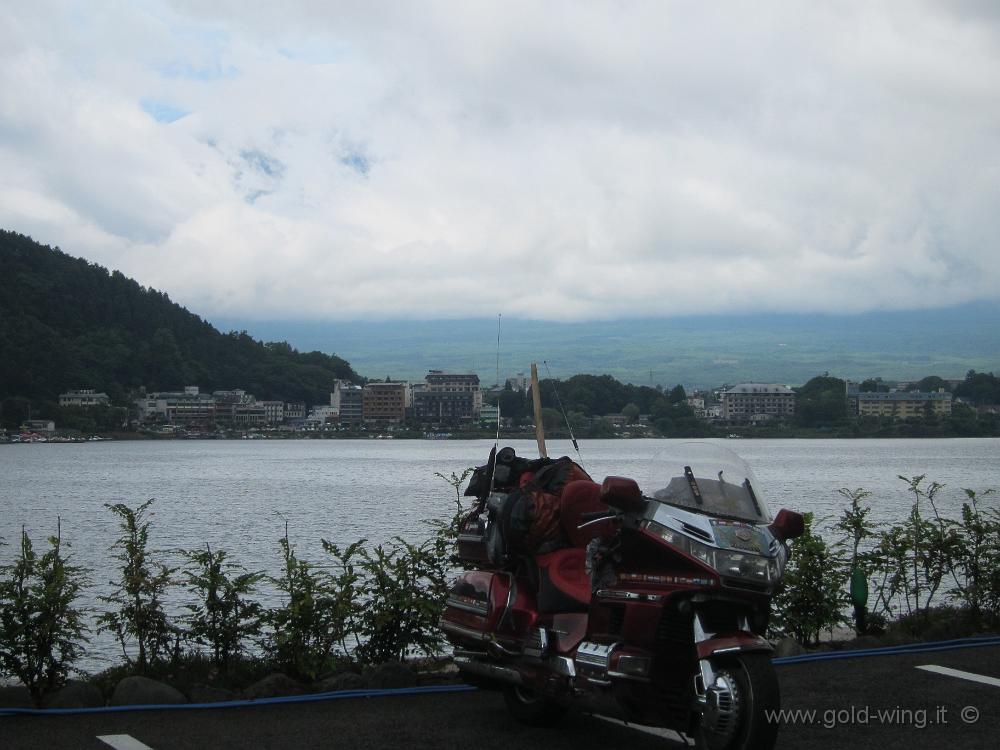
pixel 645 607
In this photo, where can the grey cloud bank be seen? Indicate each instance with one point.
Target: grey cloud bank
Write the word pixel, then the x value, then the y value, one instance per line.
pixel 563 161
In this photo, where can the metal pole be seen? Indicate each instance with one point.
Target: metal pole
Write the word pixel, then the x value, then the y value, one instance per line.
pixel 536 399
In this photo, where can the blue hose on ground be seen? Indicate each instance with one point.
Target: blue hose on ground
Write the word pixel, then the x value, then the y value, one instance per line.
pixel 428 689
pixel 911 648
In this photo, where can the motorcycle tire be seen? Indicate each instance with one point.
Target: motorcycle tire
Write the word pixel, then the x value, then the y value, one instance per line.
pixel 529 708
pixel 757 703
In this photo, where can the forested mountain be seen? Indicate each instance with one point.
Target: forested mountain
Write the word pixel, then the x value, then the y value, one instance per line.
pixel 66 323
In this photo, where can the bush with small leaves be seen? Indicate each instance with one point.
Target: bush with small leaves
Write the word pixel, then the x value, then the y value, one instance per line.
pixel 139 622
pixel 406 586
pixel 41 628
pixel 304 633
pixel 812 598
pixel 224 618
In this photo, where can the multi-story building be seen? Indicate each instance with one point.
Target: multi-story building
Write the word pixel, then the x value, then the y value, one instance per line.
pixel 84 398
pixel 384 404
pixel 274 411
pixel 189 408
pixel 697 404
pixel 249 414
pixel 226 403
pixel 295 410
pixel 348 403
pixel 489 414
pixel 448 398
pixel 322 416
pixel 903 404
pixel 755 402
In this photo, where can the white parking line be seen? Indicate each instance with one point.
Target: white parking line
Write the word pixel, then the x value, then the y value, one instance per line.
pixel 972 676
pixel 123 742
pixel 655 731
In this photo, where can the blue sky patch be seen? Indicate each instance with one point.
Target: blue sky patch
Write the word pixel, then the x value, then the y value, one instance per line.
pixel 357 161
pixel 161 111
pixel 262 162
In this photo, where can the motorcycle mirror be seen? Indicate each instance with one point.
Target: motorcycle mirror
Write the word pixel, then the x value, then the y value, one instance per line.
pixel 622 493
pixel 788 525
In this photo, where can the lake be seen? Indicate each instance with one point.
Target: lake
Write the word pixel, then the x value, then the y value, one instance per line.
pixel 236 495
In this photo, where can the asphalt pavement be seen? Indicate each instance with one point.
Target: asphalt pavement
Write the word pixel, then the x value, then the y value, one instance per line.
pixel 884 702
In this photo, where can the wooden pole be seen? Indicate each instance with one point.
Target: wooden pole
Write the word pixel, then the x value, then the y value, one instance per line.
pixel 536 399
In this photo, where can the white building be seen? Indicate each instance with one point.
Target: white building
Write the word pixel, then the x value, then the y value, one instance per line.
pixel 274 411
pixel 85 398
pixel 187 408
pixel 755 402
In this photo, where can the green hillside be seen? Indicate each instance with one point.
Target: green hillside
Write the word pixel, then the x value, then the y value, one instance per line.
pixel 66 323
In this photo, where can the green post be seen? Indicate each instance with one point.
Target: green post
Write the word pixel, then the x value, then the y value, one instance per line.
pixel 859 597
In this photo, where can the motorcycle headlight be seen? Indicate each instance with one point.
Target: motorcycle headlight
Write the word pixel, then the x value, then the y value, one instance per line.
pixel 746 565
pixel 726 562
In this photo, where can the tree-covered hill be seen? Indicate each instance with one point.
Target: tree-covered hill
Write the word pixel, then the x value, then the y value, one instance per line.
pixel 66 323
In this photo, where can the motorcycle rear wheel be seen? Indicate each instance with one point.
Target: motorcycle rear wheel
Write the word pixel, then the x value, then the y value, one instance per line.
pixel 757 700
pixel 529 708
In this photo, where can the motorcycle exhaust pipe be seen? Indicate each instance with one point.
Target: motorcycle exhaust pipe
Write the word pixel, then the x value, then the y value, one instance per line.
pixel 492 672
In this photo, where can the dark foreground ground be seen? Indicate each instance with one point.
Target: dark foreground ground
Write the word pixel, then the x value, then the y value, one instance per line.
pixel 882 702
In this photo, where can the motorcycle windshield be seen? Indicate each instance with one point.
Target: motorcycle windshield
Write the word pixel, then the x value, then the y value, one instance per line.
pixel 707 478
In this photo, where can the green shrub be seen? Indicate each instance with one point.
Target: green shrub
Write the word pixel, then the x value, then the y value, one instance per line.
pixel 857 532
pixel 812 597
pixel 976 569
pixel 406 586
pixel 223 619
pixel 139 620
pixel 304 632
pixel 41 632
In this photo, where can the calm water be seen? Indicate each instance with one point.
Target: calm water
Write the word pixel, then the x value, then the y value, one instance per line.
pixel 236 494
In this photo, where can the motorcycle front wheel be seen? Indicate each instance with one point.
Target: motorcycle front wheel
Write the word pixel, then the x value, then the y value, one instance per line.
pixel 529 708
pixel 742 713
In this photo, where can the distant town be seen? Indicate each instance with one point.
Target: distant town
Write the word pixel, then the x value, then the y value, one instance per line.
pixel 448 404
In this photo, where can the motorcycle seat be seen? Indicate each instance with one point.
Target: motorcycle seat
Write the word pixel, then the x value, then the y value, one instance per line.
pixel 579 497
pixel 564 585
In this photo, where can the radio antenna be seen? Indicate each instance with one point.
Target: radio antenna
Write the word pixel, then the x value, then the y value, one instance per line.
pixel 496 443
pixel 555 390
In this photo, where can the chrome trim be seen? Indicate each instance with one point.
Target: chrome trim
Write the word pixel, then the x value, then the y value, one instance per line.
pixel 537 644
pixel 476 635
pixel 511 595
pixel 623 676
pixel 500 649
pixel 460 653
pixel 629 595
pixel 597 520
pixel 477 609
pixel 594 654
pixel 490 671
pixel 707 677
pixel 727 650
pixel 562 665
pixel 700 635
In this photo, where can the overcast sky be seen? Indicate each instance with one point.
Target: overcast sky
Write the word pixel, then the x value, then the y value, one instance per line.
pixel 558 160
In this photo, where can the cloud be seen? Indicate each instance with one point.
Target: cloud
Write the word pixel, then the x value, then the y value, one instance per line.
pixel 559 160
